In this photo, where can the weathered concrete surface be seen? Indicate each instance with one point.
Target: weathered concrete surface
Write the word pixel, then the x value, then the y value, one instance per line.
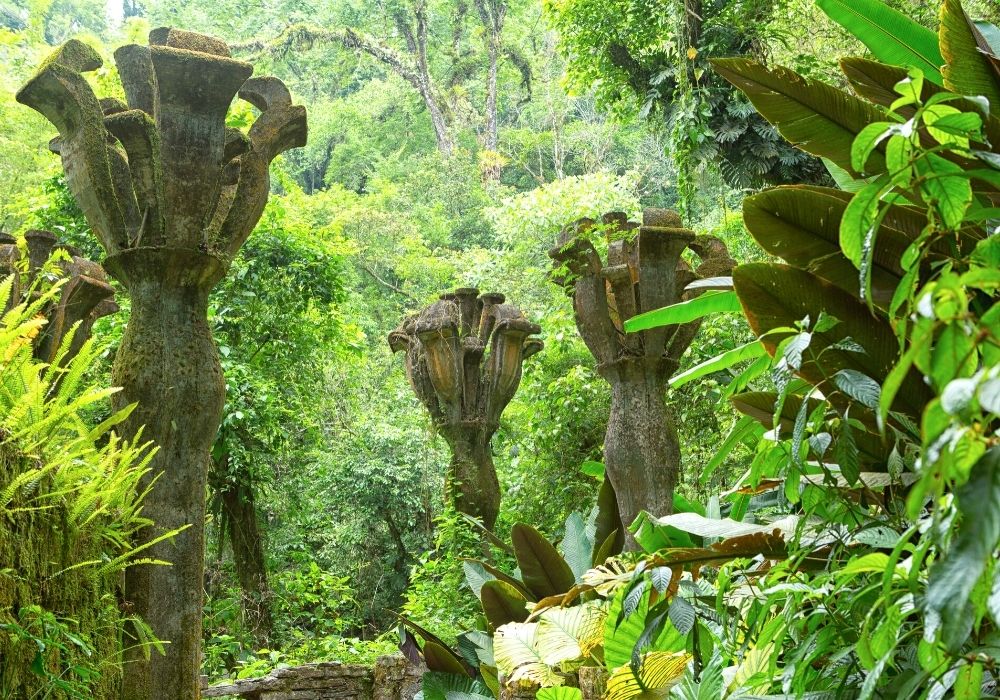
pixel 463 358
pixel 392 678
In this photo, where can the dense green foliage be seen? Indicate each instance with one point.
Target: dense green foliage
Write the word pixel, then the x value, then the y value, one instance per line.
pixel 69 508
pixel 836 526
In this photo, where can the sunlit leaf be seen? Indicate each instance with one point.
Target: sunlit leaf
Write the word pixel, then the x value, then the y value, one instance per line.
pixel 891 36
pixel 659 671
pixel 701 306
pixel 567 634
pixel 517 657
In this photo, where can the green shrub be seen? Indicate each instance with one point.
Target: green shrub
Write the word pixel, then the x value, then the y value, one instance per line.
pixel 69 505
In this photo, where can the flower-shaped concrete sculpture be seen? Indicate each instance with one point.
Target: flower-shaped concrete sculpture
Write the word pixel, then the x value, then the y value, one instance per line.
pixel 85 295
pixel 644 272
pixel 172 193
pixel 463 358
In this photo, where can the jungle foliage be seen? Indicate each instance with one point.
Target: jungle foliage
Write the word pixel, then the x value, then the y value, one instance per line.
pixel 835 528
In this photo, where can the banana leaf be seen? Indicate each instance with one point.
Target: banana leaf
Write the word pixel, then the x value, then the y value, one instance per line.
pixel 874 81
pixel 543 569
pixel 802 226
pixel 608 525
pixel 818 118
pixel 890 35
pixel 502 603
pixel 969 69
pixel 779 296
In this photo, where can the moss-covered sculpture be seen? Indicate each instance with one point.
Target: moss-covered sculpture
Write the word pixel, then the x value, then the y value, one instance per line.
pixel 172 193
pixel 85 295
pixel 644 271
pixel 464 387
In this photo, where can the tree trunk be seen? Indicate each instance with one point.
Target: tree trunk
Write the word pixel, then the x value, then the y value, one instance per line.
pixel 491 14
pixel 641 451
pixel 248 556
pixel 472 479
pixel 438 121
pixel 168 365
pixel 491 142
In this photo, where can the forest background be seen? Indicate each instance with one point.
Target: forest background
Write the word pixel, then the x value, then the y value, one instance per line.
pixel 449 143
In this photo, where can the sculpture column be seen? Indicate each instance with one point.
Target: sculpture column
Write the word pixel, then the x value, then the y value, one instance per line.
pixel 171 193
pixel 644 271
pixel 464 387
pixel 85 295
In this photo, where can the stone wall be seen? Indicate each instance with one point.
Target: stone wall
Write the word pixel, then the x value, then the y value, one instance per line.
pixel 391 679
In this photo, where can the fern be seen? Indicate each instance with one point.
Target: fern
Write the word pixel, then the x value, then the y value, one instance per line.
pixel 83 476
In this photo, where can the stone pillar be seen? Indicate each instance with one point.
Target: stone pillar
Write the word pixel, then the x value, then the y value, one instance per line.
pixel 172 193
pixel 395 678
pixel 644 271
pixel 463 359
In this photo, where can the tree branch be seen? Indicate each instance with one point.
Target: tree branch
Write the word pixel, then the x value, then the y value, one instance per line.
pixel 387 284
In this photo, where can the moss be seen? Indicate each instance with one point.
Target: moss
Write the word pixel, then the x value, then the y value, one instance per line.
pixel 74 614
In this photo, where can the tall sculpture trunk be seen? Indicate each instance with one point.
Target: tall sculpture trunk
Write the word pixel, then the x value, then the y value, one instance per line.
pixel 463 359
pixel 172 193
pixel 642 455
pixel 169 366
pixel 644 271
pixel 472 477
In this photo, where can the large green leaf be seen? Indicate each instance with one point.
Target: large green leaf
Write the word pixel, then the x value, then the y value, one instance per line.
pixel 802 226
pixel 620 639
pixel 445 686
pixel 778 296
pixel 443 659
pixel 502 603
pixel 652 537
pixel 953 577
pixel 711 302
pixel 991 36
pixel 818 118
pixel 608 524
pixel 723 527
pixel 543 569
pixel 475 575
pixel 559 693
pixel 969 69
pixel 494 572
pixel 890 35
pixel 875 81
pixel 577 545
pixel 718 363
